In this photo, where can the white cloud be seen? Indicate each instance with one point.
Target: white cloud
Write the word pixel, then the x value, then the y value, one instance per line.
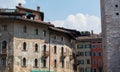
pixel 10 3
pixel 81 22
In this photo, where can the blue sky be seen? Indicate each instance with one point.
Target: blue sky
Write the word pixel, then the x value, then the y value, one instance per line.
pixel 81 15
pixel 60 9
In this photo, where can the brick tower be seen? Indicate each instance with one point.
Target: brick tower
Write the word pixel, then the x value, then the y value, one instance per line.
pixel 110 17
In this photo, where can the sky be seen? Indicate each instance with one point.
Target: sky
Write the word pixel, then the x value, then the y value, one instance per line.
pixel 82 15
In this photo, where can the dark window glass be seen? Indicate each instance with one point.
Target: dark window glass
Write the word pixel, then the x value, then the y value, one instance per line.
pixel 93 46
pixel 24 46
pixel 24 61
pixel 79 46
pixel 81 69
pixel 4 45
pixel 36 62
pixel 36 47
pixel 55 49
pixel 116 6
pixel 4 27
pixel 62 63
pixel 44 63
pixel 87 46
pixel 99 53
pixel 88 61
pixel 81 61
pixel 117 14
pixel 55 63
pixel 81 53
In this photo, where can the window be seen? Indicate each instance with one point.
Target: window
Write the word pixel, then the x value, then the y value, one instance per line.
pixel 116 5
pixel 81 61
pixel 88 61
pixel 88 53
pixel 81 53
pixel 44 33
pixel 55 63
pixel 44 63
pixel 88 69
pixel 24 46
pixel 62 38
pixel 62 63
pixel 100 62
pixel 55 49
pixel 36 31
pixel 87 46
pixel 99 54
pixel 81 69
pixel 24 29
pixel 4 45
pixel 24 61
pixel 4 27
pixel 36 62
pixel 93 46
pixel 94 54
pixel 117 13
pixel 36 47
pixel 4 61
pixel 79 46
pixel 44 48
pixel 94 61
pixel 94 70
pixel 62 50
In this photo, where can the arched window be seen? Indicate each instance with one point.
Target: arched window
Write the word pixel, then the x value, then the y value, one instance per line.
pixel 55 63
pixel 24 46
pixel 44 47
pixel 62 63
pixel 36 47
pixel 55 49
pixel 62 50
pixel 4 45
pixel 36 62
pixel 44 63
pixel 24 61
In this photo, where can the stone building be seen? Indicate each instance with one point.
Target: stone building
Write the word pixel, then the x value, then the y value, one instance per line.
pixel 110 18
pixel 28 44
pixel 89 56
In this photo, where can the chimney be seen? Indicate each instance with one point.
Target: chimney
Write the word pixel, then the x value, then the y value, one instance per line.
pixel 38 8
pixel 20 5
pixel 92 32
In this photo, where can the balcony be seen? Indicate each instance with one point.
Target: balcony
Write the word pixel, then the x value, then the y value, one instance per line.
pixel 45 54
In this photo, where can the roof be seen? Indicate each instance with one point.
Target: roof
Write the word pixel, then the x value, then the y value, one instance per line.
pixel 27 20
pixel 28 9
pixel 92 37
pixel 74 32
pixel 63 31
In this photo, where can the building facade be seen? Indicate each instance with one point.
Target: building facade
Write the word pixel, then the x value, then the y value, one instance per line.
pixel 96 57
pixel 28 44
pixel 110 18
pixel 89 57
